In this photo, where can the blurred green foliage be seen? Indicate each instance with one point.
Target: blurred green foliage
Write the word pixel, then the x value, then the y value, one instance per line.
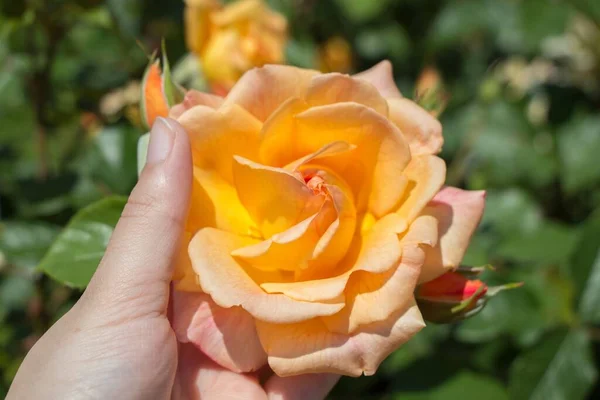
pixel 522 121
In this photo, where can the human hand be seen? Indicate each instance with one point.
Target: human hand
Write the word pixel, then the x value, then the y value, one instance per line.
pixel 117 341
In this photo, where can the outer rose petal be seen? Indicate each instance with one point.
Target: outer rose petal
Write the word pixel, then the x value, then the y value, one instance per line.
pixel 459 212
pixel 195 98
pixel 318 350
pixel 422 131
pixel 226 335
pixel 374 297
pixel 229 285
pixel 381 76
pixel 426 175
pixel 337 88
pixel 378 252
pixel 275 198
pixel 262 90
pixel 217 135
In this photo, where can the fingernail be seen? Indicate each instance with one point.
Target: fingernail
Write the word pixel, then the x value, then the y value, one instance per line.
pixel 162 137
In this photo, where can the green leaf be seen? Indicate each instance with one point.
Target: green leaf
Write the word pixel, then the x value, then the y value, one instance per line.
pixel 361 10
pixel 74 256
pixel 25 243
pixel 585 269
pixel 578 147
pixel 111 159
pixel 173 93
pixel 386 41
pixel 561 367
pixel 464 386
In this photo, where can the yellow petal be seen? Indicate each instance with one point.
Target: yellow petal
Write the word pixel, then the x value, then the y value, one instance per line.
pixel 262 90
pixel 374 297
pixel 275 199
pixel 458 212
pixel 426 175
pixel 382 77
pixel 223 61
pixel 317 350
pixel 337 88
pixel 215 203
pixel 422 131
pixel 371 170
pixel 226 335
pixel 328 150
pixel 217 135
pixel 332 244
pixel 292 249
pixel 229 285
pixel 197 23
pixel 238 11
pixel 378 252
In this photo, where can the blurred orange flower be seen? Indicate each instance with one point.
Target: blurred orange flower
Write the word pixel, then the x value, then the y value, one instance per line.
pixel 229 40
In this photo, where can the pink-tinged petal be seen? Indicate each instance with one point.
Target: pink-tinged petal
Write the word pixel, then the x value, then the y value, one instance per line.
pixel 338 88
pixel 382 77
pixel 195 98
pixel 426 175
pixel 262 90
pixel 458 212
pixel 227 335
pixel 377 252
pixel 275 198
pixel 229 285
pixel 422 131
pixel 318 350
pixel 374 297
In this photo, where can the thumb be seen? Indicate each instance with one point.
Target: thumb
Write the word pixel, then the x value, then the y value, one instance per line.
pixel 134 275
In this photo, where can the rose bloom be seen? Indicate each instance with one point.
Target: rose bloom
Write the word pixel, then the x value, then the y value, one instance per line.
pixel 318 206
pixel 231 40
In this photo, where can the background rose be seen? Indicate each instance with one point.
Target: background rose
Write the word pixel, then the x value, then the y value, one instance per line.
pixel 317 209
pixel 232 39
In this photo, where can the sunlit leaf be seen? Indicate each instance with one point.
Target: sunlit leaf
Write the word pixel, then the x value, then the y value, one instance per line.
pixel 77 251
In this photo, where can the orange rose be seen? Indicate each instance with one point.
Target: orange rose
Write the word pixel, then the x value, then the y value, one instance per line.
pixel 231 40
pixel 317 209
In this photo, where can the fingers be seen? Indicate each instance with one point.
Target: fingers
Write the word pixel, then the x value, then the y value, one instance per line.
pixel 300 387
pixel 138 263
pixel 199 378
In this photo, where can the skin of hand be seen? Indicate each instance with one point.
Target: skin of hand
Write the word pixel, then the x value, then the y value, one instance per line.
pixel 117 341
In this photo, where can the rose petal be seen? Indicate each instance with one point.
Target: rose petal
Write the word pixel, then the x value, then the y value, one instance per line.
pixel 291 249
pixel 337 88
pixel 382 77
pixel 426 175
pixel 459 212
pixel 422 131
pixel 217 135
pixel 317 350
pixel 371 170
pixel 229 285
pixel 195 98
pixel 275 198
pixel 378 252
pixel 215 203
pixel 262 90
pixel 328 150
pixel 227 335
pixel 374 297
